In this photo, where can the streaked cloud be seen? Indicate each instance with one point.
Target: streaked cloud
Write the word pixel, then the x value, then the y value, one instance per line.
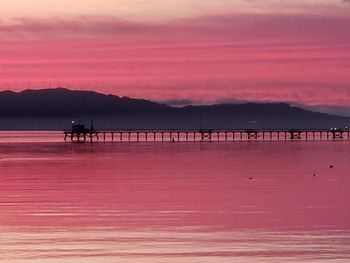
pixel 163 10
pixel 184 51
pixel 231 27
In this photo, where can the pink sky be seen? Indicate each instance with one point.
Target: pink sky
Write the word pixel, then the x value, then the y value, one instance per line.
pixel 203 51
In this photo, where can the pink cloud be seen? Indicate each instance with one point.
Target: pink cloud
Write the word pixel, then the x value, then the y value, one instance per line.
pixel 298 58
pixel 233 27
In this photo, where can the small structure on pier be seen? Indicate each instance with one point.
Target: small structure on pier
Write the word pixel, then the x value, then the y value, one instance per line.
pixel 337 134
pixel 252 134
pixel 295 134
pixel 79 128
pixel 79 133
pixel 205 134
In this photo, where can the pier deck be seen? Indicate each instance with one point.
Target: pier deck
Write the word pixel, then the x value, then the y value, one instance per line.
pixel 177 135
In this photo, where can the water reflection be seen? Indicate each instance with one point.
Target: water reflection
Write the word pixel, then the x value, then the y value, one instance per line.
pixel 164 202
pixel 174 245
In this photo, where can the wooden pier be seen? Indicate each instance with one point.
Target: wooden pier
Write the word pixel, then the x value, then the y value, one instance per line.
pixel 174 135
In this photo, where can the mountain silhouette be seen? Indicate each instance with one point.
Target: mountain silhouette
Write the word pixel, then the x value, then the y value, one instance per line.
pixel 62 102
pixel 54 109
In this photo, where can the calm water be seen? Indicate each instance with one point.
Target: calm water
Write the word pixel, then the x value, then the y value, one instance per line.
pixel 173 202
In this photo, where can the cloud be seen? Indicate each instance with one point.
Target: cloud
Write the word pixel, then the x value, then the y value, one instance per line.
pixel 179 102
pixel 257 27
pixel 260 57
pixel 77 28
pixel 164 10
pixel 331 109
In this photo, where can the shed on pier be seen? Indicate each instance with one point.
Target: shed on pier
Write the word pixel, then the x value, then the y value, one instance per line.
pixel 79 128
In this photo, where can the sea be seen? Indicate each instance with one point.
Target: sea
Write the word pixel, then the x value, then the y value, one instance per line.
pixel 164 202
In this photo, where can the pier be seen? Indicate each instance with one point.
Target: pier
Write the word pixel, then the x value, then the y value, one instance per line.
pixel 81 134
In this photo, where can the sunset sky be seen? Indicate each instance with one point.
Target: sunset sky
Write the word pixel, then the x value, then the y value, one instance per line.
pixel 203 51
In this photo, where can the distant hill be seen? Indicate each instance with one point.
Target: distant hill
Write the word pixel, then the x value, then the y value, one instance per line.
pixel 63 102
pixel 54 109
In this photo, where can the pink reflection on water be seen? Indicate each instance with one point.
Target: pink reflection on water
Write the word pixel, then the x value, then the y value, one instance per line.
pixel 188 202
